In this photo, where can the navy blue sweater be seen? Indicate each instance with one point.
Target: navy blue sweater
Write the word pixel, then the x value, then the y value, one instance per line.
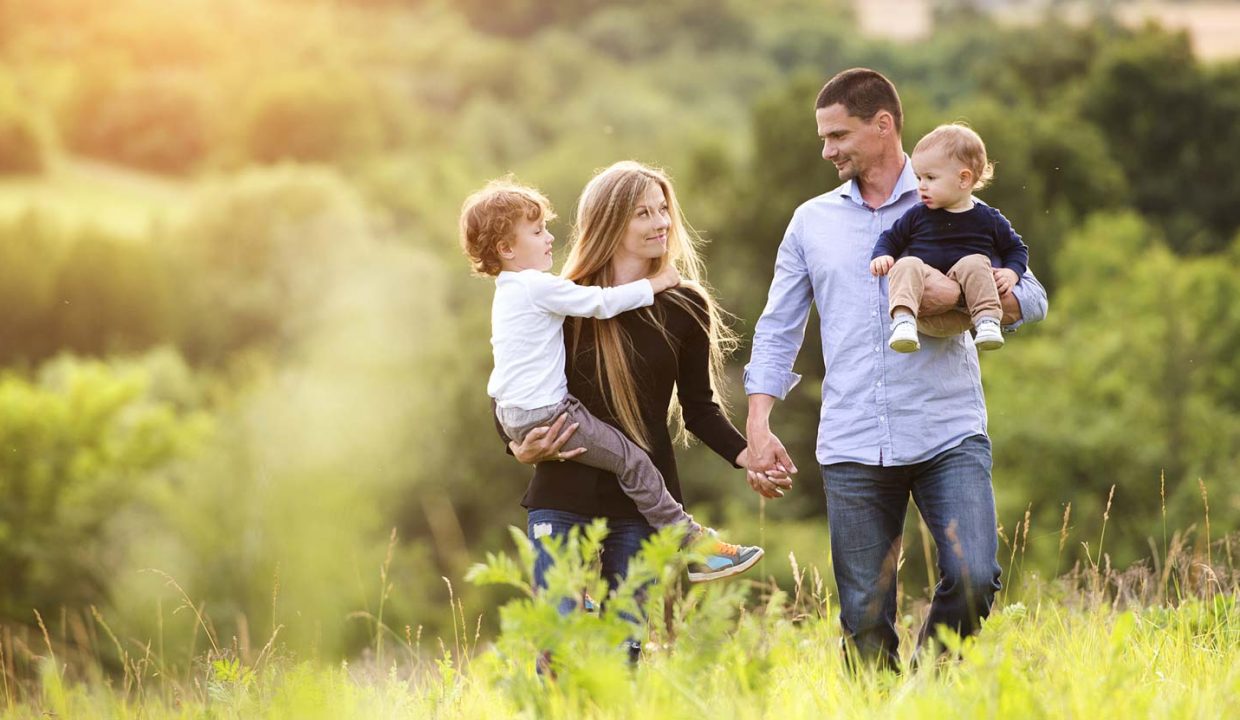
pixel 941 238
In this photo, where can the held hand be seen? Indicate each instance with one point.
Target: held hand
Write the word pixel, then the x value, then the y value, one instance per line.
pixel 544 443
pixel 880 265
pixel 769 466
pixel 1005 279
pixel 668 277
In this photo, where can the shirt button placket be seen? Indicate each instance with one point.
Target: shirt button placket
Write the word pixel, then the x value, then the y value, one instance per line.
pixel 880 395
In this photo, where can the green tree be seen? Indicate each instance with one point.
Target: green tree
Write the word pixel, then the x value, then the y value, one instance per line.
pixel 30 254
pixel 152 121
pixel 310 116
pixel 1129 378
pixel 111 295
pixel 82 444
pixel 23 138
pixel 256 253
pixel 1170 125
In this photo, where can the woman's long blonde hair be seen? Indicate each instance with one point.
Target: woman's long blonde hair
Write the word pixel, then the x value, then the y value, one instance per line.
pixel 607 204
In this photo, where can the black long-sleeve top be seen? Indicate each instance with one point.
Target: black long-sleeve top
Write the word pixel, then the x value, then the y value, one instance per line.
pixel 658 368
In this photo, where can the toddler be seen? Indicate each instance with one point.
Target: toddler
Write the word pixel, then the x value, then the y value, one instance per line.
pixel 952 233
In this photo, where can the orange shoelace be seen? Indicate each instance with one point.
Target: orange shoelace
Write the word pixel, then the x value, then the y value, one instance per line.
pixel 722 548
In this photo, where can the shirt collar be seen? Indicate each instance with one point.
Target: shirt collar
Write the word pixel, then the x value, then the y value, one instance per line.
pixel 906 184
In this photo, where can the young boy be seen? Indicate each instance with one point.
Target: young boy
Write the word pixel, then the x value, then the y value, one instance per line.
pixel 504 234
pixel 971 243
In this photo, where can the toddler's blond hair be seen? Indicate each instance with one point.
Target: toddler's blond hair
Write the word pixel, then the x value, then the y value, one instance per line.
pixel 962 144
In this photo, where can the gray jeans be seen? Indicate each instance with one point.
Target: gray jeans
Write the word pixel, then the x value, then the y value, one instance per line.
pixel 606 449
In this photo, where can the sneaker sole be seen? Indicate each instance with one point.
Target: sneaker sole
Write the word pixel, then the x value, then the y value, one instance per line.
pixel 905 346
pixel 727 571
pixel 989 344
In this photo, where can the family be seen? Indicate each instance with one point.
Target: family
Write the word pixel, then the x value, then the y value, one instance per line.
pixel 587 363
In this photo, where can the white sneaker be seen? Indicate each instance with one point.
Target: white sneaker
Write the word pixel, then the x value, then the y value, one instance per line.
pixel 989 336
pixel 904 338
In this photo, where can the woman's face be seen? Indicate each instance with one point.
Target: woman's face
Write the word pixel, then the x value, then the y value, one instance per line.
pixel 646 235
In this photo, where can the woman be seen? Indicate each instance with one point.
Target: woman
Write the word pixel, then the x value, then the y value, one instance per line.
pixel 624 370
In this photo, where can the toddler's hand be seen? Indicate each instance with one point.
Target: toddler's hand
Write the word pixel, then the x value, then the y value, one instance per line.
pixel 880 265
pixel 668 277
pixel 1004 279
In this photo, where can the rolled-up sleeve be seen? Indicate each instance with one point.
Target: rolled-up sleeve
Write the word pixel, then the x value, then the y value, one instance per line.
pixel 1032 298
pixel 780 331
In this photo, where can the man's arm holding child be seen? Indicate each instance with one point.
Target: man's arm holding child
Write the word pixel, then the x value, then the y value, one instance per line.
pixel 1024 302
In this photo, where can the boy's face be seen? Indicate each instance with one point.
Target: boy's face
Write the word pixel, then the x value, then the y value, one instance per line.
pixel 941 181
pixel 530 248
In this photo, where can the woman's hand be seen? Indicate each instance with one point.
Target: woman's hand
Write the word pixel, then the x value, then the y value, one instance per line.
pixel 544 443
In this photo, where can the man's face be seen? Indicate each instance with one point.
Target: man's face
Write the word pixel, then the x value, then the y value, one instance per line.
pixel 849 143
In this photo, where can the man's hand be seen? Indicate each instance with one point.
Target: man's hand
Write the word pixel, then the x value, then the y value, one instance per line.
pixel 1011 308
pixel 544 443
pixel 881 264
pixel 1005 279
pixel 668 277
pixel 940 294
pixel 769 467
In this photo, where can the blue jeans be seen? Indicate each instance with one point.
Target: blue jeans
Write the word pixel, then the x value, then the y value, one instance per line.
pixel 865 509
pixel 624 539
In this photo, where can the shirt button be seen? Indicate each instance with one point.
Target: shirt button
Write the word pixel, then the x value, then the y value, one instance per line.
pixel 878 384
pixel 882 418
pixel 877 348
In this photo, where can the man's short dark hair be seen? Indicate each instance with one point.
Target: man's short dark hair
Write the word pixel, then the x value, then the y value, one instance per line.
pixel 862 92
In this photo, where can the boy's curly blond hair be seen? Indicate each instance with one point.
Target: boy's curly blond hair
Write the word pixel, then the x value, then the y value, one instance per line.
pixel 489 218
pixel 963 144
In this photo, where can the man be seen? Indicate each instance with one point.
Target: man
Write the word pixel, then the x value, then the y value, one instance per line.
pixel 891 424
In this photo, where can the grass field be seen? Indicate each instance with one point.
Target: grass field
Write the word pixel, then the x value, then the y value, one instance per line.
pixel 1095 643
pixel 82 193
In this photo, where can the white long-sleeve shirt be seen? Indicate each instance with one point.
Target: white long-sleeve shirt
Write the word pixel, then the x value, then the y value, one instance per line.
pixel 527 331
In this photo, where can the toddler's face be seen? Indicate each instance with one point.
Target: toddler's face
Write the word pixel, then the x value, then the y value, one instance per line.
pixel 531 248
pixel 942 181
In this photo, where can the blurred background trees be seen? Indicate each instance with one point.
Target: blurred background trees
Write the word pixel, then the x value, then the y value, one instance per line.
pixel 238 343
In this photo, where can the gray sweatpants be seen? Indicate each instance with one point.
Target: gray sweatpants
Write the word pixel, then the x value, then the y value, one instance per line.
pixel 606 449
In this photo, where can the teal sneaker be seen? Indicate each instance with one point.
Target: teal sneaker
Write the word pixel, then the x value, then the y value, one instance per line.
pixel 721 559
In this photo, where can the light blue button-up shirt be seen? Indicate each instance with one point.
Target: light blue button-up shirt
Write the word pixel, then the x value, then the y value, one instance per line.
pixel 879 407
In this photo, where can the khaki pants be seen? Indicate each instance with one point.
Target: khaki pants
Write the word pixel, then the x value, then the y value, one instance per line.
pixel 907 281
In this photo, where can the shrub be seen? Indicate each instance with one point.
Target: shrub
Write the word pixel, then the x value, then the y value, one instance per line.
pixel 81 441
